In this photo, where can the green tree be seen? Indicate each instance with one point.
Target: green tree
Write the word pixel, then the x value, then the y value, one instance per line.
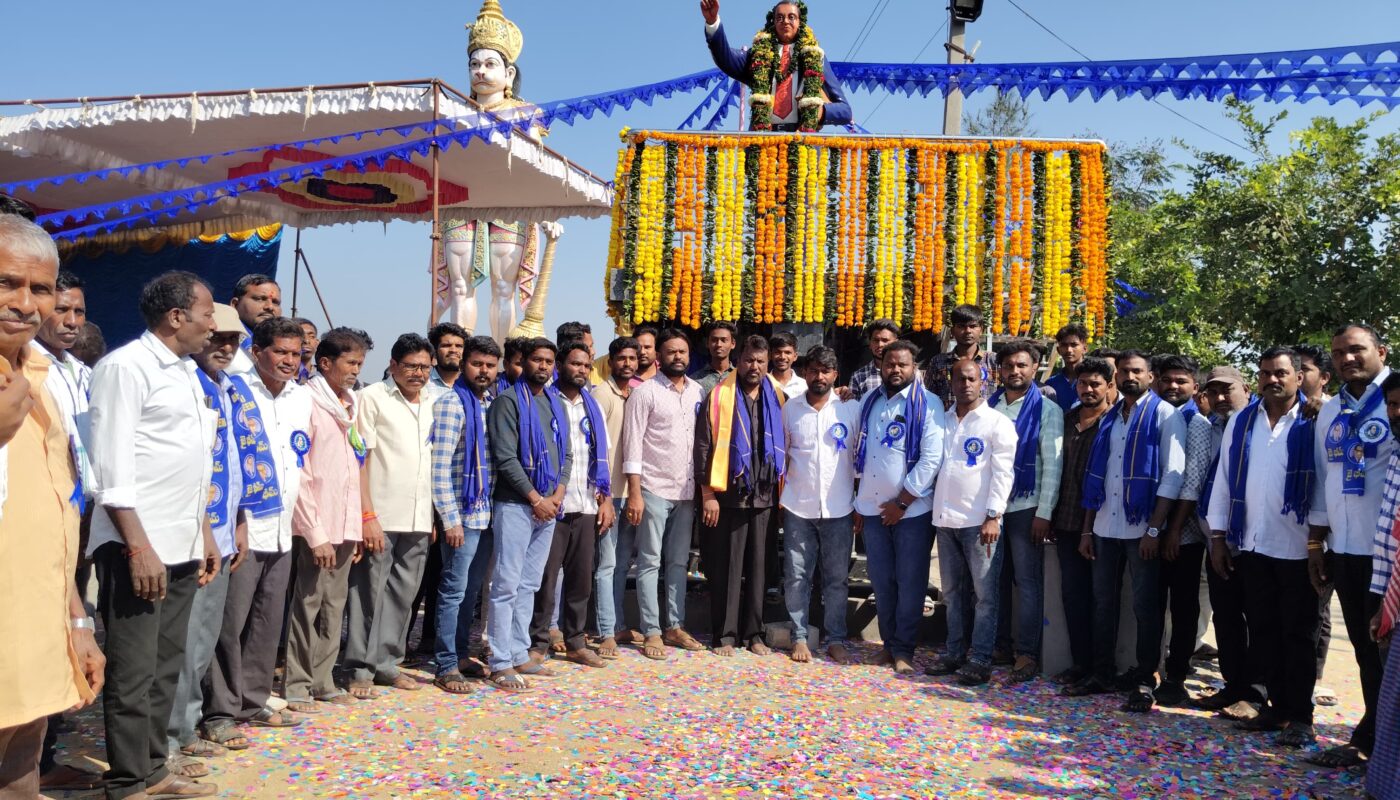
pixel 1007 115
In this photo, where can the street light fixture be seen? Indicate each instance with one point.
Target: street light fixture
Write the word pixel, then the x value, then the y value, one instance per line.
pixel 965 10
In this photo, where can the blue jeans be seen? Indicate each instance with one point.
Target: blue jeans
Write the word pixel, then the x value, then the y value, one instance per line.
pixel 663 539
pixel 1023 565
pixel 897 558
pixel 805 543
pixel 966 569
pixel 615 551
pixel 206 620
pixel 522 548
pixel 459 591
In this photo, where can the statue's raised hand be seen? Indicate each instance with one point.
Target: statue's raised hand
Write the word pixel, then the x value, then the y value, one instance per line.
pixel 710 8
pixel 552 230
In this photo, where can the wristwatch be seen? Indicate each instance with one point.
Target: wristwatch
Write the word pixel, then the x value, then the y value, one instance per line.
pixel 1153 533
pixel 993 515
pixel 903 506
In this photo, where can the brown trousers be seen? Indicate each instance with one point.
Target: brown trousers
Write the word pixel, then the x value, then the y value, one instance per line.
pixel 19 760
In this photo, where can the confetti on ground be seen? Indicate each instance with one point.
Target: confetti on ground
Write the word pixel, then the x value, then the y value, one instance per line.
pixel 699 726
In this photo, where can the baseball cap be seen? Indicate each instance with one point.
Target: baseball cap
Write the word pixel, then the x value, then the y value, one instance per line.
pixel 226 319
pixel 1226 375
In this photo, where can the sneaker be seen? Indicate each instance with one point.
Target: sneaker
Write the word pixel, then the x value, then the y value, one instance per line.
pixel 1171 693
pixel 973 674
pixel 944 665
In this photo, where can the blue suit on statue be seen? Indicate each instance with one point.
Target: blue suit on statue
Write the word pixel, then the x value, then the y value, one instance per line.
pixel 734 62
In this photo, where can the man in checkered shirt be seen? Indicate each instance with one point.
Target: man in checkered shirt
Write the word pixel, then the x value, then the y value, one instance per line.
pixel 466 540
pixel 879 333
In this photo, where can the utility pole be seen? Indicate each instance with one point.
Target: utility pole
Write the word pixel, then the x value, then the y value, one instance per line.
pixel 953 98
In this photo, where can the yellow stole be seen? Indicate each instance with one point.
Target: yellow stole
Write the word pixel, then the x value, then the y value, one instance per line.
pixel 720 408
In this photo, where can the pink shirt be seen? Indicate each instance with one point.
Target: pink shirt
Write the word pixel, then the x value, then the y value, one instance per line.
pixel 659 437
pixel 328 507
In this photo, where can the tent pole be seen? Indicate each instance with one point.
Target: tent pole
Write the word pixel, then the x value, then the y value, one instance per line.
pixel 316 288
pixel 296 272
pixel 436 235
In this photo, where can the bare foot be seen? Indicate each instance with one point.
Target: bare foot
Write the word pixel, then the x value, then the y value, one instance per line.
pixel 838 653
pixel 903 666
pixel 725 650
pixel 759 648
pixel 654 648
pixel 800 653
pixel 608 648
pixel 881 659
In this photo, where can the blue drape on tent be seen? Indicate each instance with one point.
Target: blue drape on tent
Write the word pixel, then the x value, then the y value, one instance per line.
pixel 113 280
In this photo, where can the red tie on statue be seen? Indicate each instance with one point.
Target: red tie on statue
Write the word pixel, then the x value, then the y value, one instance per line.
pixel 1390 605
pixel 782 96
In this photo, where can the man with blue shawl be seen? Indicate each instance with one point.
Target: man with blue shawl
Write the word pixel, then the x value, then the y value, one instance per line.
pixel 740 458
pixel 1134 477
pixel 526 425
pixel 1259 500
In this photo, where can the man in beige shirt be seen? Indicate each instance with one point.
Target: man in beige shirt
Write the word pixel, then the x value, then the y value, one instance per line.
pixel 396 421
pixel 59 666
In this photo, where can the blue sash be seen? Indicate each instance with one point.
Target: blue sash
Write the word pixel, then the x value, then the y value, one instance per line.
pixel 1027 440
pixel 774 439
pixel 476 470
pixel 1353 437
pixel 599 472
pixel 534 449
pixel 1142 466
pixel 262 491
pixel 217 509
pixel 1298 484
pixel 910 427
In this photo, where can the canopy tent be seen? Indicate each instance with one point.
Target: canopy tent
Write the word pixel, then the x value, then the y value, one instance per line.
pixel 364 152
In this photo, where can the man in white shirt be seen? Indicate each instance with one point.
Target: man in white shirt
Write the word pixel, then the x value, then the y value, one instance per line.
pixel 618 545
pixel 152 436
pixel 587 512
pixel 898 453
pixel 256 298
pixel 1259 535
pixel 271 417
pixel 969 501
pixel 1128 495
pixel 1039 460
pixel 782 353
pixel 395 420
pixel 1352 453
pixel 70 380
pixel 818 499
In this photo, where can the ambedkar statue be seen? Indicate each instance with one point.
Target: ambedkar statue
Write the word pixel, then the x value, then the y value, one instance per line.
pixel 504 252
pixel 793 86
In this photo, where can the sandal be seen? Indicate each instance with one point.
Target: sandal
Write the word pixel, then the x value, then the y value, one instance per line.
pixel 1296 735
pixel 474 669
pixel 1140 701
pixel 362 690
pixel 403 683
pixel 1324 697
pixel 608 649
pixel 1085 688
pixel 344 699
pixel 225 735
pixel 1265 721
pixel 678 637
pixel 186 767
pixel 303 707
pixel 1339 757
pixel 654 648
pixel 535 670
pixel 203 748
pixel 453 683
pixel 587 658
pixel 511 681
pixel 973 674
pixel 1026 669
pixel 944 665
pixel 267 718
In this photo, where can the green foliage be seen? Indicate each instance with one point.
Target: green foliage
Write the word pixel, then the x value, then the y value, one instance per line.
pixel 1007 115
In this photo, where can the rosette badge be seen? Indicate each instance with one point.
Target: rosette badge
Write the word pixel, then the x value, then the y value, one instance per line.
pixel 974 447
pixel 1373 431
pixel 839 432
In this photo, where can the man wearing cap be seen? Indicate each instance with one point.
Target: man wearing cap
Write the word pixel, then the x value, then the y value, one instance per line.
pixel 1244 688
pixel 231 537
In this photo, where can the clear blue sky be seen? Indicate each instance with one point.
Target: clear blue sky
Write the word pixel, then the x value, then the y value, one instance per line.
pixel 375 276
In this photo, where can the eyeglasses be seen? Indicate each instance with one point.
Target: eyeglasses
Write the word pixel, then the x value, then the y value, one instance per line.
pixel 786 18
pixel 421 368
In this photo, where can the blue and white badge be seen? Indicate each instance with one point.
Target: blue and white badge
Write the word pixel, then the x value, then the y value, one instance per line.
pixel 301 445
pixel 697 409
pixel 974 448
pixel 1373 431
pixel 839 432
pixel 586 425
pixel 554 425
pixel 1336 433
pixel 250 467
pixel 893 433
pixel 1356 454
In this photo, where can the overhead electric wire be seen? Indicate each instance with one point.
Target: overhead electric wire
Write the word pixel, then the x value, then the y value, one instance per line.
pixel 914 60
pixel 865 32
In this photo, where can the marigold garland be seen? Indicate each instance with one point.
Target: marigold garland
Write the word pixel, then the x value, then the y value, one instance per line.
pixel 843 229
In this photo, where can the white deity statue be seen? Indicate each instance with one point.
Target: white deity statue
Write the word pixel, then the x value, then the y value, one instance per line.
pixel 507 255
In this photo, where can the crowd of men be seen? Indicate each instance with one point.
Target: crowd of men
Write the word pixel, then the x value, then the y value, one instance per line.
pixel 248 501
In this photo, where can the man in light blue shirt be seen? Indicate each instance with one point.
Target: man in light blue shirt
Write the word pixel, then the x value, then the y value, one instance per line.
pixel 1119 530
pixel 899 450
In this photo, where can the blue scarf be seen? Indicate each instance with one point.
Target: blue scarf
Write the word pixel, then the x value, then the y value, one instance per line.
pixel 910 426
pixel 1189 411
pixel 476 472
pixel 534 449
pixel 1354 437
pixel 600 474
pixel 1142 468
pixel 1203 504
pixel 774 464
pixel 262 492
pixel 217 508
pixel 1027 440
pixel 1298 483
pixel 502 386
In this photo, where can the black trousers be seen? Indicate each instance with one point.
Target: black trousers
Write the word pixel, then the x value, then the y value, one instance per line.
pixel 737 550
pixel 240 677
pixel 1240 662
pixel 575 541
pixel 1283 623
pixel 1077 596
pixel 1111 557
pixel 1351 575
pixel 145 650
pixel 1180 592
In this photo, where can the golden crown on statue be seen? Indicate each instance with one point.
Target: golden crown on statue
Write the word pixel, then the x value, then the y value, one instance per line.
pixel 492 31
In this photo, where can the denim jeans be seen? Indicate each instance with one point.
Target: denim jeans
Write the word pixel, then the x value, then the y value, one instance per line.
pixel 1024 566
pixel 459 593
pixel 615 551
pixel 663 539
pixel 971 579
pixel 206 620
pixel 897 558
pixel 517 565
pixel 807 542
pixel 1109 557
